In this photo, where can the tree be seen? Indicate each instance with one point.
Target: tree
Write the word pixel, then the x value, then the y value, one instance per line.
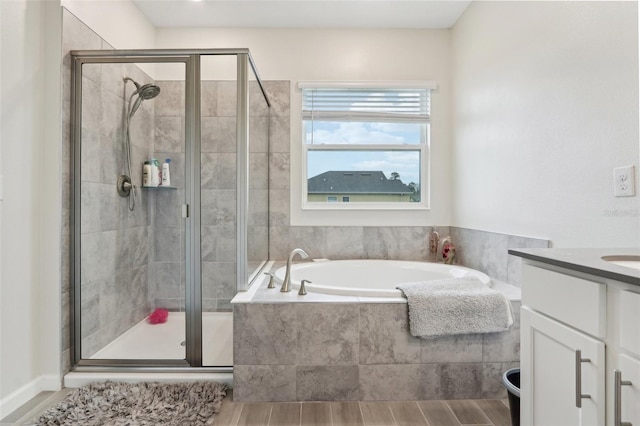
pixel 395 175
pixel 415 188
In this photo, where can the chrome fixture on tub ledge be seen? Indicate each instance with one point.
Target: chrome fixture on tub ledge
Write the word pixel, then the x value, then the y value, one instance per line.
pixel 271 280
pixel 303 289
pixel 286 283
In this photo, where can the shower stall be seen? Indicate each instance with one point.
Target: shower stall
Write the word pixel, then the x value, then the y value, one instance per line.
pixel 180 250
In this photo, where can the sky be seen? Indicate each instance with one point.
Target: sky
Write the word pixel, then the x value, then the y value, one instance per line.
pixel 406 163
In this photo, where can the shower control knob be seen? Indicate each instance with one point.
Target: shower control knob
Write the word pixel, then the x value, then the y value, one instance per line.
pixel 124 186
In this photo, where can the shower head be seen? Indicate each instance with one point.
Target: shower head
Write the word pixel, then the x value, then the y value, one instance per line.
pixel 148 91
pixel 144 92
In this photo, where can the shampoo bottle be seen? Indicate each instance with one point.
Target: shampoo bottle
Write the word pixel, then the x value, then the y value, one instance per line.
pixel 146 174
pixel 166 177
pixel 155 172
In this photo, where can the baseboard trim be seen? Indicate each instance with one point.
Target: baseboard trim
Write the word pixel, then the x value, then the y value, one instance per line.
pixel 78 379
pixel 25 393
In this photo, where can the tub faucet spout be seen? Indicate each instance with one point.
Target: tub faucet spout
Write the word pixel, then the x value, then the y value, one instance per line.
pixel 287 275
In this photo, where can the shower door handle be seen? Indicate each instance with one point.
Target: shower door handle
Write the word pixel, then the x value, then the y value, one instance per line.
pixel 185 211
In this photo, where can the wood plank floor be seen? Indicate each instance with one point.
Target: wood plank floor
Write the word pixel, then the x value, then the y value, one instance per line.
pixel 486 412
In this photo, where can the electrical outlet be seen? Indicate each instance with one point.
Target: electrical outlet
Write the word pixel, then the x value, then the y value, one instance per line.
pixel 624 182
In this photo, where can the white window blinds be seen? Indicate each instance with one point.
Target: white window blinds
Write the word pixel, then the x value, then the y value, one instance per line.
pixel 366 104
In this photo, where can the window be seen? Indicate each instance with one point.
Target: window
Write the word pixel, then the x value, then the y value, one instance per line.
pixel 367 145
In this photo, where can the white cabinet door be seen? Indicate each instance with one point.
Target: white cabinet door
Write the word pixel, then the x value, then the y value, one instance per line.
pixel 630 393
pixel 554 382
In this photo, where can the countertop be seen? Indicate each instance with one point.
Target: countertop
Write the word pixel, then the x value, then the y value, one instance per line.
pixel 585 260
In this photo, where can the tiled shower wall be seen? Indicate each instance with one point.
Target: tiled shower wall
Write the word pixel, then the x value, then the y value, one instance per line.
pixel 218 175
pixel 167 279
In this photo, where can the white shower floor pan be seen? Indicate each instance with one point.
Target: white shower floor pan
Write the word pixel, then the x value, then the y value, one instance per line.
pixel 164 341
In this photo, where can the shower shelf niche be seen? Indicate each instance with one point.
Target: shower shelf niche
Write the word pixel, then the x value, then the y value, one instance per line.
pixel 165 188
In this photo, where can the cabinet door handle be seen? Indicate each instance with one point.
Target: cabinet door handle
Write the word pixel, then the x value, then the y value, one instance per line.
pixel 617 398
pixel 579 395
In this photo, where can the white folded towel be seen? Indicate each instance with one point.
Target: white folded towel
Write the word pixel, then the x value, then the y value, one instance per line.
pixel 455 306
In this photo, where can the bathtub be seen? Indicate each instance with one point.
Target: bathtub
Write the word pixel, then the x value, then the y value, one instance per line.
pixel 370 278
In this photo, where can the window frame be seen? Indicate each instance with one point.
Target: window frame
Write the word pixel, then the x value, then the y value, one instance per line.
pixel 423 148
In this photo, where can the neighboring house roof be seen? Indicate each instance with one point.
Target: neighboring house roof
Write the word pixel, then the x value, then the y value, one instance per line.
pixel 355 182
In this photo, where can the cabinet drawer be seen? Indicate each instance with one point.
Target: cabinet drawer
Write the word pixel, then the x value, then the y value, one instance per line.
pixel 629 321
pixel 575 301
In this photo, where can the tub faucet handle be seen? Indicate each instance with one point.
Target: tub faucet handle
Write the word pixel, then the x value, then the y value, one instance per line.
pixel 271 284
pixel 303 289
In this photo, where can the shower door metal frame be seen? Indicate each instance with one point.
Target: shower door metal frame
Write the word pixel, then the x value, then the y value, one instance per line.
pixel 193 277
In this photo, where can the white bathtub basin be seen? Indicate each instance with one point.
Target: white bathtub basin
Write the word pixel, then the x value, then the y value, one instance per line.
pixel 370 278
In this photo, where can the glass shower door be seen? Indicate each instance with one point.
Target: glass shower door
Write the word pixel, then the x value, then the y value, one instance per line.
pixel 130 233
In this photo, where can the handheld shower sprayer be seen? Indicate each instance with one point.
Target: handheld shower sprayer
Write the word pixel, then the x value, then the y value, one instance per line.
pixel 144 92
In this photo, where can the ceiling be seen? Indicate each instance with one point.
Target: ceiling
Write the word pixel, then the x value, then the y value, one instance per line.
pixel 303 13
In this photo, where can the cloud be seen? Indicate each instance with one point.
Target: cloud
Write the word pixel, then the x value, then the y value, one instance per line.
pixel 354 133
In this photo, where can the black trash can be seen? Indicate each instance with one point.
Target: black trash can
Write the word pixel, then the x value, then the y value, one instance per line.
pixel 511 380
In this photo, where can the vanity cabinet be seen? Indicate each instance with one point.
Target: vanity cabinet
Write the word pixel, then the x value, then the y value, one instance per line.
pixel 580 348
pixel 564 374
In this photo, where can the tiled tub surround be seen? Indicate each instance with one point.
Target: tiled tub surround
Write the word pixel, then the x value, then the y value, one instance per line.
pixel 324 347
pixel 488 252
pixel 480 250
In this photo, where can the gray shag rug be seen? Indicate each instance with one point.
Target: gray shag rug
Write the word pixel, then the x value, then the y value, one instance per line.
pixel 133 404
